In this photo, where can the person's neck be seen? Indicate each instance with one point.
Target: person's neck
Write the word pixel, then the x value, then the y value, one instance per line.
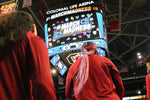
pixel 33 32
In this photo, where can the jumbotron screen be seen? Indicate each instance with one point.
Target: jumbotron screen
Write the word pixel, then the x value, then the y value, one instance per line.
pixel 68 27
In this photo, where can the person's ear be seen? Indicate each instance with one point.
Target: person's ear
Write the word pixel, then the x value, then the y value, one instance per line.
pixel 34 30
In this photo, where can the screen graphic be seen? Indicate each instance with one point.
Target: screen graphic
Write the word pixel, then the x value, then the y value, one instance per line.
pixel 68 27
pixel 61 67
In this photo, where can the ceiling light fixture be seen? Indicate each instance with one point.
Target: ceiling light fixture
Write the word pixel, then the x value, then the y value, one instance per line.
pixel 53 71
pixel 138 54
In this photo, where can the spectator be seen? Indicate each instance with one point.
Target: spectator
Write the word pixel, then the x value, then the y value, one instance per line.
pixel 24 63
pixel 147 60
pixel 93 77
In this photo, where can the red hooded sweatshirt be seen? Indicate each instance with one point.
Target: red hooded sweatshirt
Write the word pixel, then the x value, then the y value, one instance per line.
pixel 148 86
pixel 25 71
pixel 104 82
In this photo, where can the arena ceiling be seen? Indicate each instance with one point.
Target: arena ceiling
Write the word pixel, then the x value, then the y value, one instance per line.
pixel 133 17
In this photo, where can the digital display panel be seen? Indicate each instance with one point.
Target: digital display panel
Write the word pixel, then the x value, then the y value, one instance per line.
pixel 6 8
pixel 101 52
pixel 55 59
pixel 68 27
pixel 61 67
pixel 74 28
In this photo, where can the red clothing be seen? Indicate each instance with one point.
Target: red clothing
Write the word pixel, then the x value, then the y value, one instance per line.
pixel 104 82
pixel 25 72
pixel 148 85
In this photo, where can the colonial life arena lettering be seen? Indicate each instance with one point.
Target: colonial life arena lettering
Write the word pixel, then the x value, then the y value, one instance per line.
pixel 57 10
pixel 86 3
pixel 67 8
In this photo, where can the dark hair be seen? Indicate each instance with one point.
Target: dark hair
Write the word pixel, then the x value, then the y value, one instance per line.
pixel 96 52
pixel 89 43
pixel 107 52
pixel 86 44
pixel 13 27
pixel 147 59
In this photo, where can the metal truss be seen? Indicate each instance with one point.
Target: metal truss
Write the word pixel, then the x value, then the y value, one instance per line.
pixel 121 21
pixel 37 20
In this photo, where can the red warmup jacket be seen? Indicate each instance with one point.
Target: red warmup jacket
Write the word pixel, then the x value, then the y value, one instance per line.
pixel 148 85
pixel 25 71
pixel 104 82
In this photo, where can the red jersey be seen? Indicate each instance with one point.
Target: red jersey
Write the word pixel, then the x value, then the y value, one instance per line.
pixel 148 86
pixel 25 71
pixel 104 82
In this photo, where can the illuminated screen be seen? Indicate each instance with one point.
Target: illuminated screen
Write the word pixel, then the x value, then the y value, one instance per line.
pixel 55 59
pixel 6 8
pixel 68 29
pixel 61 67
